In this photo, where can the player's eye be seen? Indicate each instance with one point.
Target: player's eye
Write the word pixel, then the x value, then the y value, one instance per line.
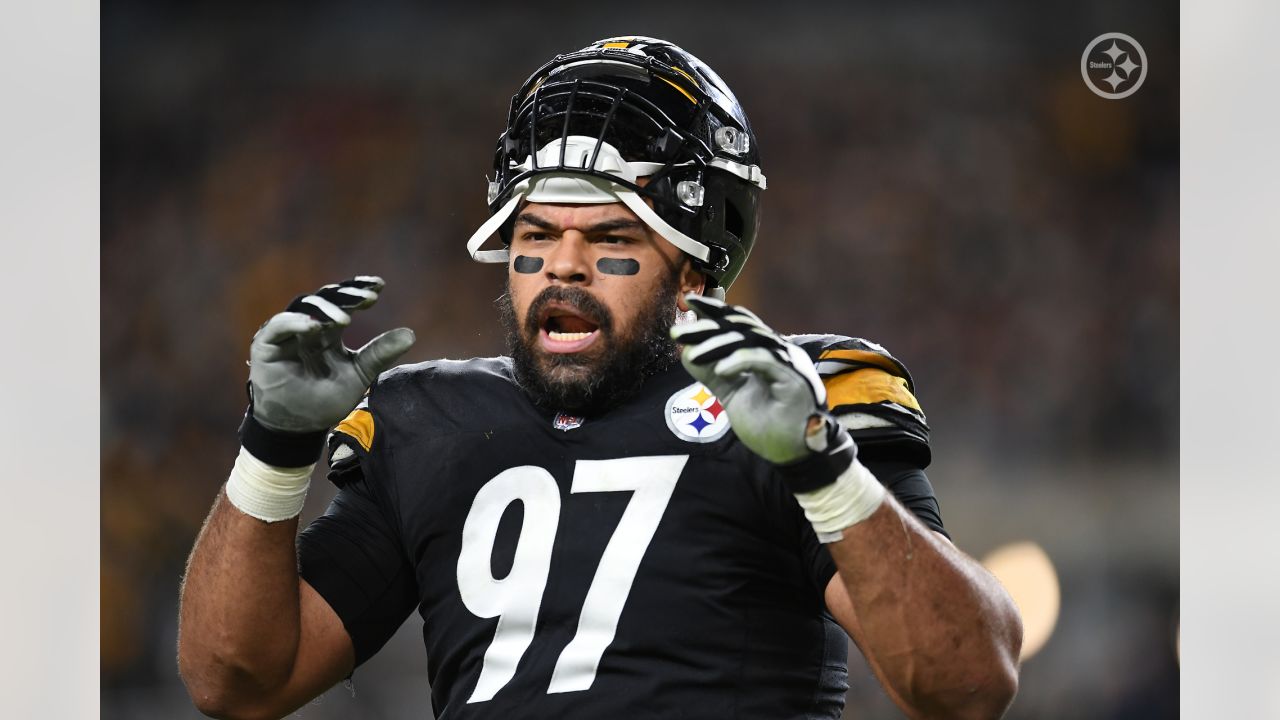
pixel 616 240
pixel 534 236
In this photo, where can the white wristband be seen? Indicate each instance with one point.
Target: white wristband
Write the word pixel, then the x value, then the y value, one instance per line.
pixel 265 491
pixel 852 498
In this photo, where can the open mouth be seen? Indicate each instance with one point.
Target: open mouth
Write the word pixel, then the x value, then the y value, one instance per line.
pixel 564 329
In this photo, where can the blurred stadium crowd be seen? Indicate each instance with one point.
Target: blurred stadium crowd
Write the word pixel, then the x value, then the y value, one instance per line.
pixel 940 181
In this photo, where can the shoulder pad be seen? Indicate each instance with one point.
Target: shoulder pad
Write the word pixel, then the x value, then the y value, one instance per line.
pixel 872 394
pixel 350 442
pixel 410 398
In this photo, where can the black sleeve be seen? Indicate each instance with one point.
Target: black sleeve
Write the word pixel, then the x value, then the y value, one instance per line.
pixel 911 487
pixel 817 558
pixel 353 557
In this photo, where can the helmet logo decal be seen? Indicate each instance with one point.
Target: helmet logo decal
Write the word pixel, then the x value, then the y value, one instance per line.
pixel 526 264
pixel 618 266
pixel 630 44
pixel 695 415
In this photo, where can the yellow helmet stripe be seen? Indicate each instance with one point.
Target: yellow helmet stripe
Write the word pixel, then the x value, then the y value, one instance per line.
pixel 682 72
pixel 682 90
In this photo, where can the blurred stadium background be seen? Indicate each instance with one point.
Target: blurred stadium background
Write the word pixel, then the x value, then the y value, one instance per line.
pixel 941 181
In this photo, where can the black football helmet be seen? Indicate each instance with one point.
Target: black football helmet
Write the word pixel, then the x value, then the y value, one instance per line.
pixel 587 126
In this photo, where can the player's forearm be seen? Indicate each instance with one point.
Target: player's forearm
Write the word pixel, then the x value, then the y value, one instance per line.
pixel 239 622
pixel 942 631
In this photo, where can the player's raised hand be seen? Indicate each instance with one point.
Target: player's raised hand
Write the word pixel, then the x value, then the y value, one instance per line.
pixel 302 379
pixel 777 406
pixel 768 386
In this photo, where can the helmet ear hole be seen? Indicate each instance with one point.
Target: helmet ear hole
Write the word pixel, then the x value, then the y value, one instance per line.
pixel 665 146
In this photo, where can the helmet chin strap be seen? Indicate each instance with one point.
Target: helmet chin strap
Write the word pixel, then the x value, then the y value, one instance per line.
pixel 486 231
pixel 561 187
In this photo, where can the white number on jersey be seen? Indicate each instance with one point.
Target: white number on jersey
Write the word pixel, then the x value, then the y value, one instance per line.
pixel 517 598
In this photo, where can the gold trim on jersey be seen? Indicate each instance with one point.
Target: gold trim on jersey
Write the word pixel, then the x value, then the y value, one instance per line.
pixel 862 356
pixel 358 425
pixel 868 386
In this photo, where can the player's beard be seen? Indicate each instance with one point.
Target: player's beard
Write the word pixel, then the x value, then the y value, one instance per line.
pixel 591 382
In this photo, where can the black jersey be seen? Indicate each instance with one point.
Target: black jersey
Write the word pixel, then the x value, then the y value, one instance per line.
pixel 639 563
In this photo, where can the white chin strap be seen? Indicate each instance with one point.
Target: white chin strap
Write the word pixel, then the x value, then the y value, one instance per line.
pixel 560 187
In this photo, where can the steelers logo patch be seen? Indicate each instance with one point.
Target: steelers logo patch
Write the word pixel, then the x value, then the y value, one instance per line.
pixel 695 415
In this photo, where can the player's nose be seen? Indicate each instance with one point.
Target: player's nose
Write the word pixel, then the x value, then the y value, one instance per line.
pixel 568 261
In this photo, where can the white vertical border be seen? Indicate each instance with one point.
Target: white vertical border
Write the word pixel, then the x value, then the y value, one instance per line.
pixel 49 217
pixel 1230 393
pixel 1230 390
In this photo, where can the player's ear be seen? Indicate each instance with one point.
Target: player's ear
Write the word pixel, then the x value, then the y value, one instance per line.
pixel 691 281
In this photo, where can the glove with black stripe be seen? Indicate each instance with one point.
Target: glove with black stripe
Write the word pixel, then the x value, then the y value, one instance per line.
pixel 303 380
pixel 777 407
pixel 768 386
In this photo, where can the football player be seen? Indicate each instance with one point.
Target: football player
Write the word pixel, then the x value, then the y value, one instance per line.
pixel 656 506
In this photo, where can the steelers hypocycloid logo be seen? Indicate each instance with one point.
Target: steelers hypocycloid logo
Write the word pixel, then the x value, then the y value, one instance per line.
pixel 1113 66
pixel 695 415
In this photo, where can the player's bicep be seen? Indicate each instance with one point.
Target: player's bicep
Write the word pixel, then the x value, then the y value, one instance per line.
pixel 325 651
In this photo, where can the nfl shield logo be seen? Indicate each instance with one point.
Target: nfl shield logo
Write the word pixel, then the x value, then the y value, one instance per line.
pixel 566 422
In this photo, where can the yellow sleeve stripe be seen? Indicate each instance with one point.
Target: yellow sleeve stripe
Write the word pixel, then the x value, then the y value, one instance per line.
pixel 867 387
pixel 862 356
pixel 359 425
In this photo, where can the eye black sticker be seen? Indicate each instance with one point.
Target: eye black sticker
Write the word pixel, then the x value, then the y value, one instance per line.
pixel 526 264
pixel 618 266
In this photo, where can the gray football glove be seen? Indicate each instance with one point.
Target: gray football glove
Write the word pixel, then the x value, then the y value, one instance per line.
pixel 768 386
pixel 777 406
pixel 302 379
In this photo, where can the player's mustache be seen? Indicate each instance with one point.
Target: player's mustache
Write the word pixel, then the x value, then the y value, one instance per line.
pixel 582 302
